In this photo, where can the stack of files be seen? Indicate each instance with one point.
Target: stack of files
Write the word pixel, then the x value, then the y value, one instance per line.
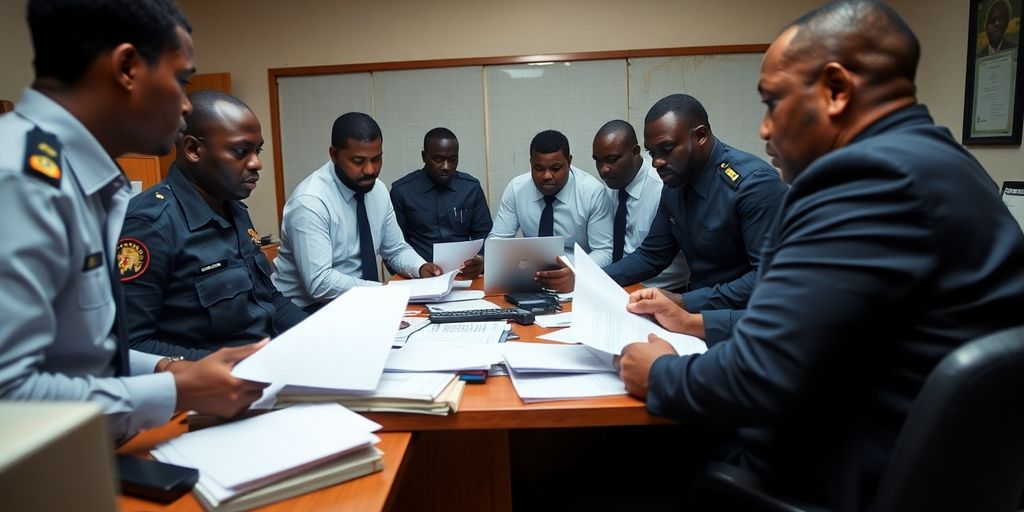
pixel 422 393
pixel 442 357
pixel 542 372
pixel 427 289
pixel 276 455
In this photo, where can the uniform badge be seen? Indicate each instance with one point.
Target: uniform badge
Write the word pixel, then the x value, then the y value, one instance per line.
pixel 132 258
pixel 92 261
pixel 42 156
pixel 731 174
pixel 255 237
pixel 159 195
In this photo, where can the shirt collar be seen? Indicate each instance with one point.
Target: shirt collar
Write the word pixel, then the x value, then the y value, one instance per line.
pixel 425 184
pixel 636 187
pixel 701 184
pixel 346 193
pixel 197 212
pixel 92 166
pixel 563 196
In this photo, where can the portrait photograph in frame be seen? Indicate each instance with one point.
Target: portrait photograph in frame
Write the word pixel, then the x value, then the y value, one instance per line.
pixel 994 94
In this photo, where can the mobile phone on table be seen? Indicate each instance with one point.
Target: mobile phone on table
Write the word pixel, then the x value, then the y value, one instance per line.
pixel 154 480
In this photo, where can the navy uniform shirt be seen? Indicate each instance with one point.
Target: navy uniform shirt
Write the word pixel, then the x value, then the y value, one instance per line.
pixel 429 213
pixel 193 280
pixel 719 221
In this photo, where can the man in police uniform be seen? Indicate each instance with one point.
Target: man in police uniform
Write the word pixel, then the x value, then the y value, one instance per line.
pixel 717 205
pixel 194 276
pixel 103 88
pixel 892 249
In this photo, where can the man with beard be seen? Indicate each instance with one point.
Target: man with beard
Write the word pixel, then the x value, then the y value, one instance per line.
pixel 717 205
pixel 190 262
pixel 339 219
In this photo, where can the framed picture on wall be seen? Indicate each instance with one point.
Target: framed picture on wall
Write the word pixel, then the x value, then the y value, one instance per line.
pixel 994 99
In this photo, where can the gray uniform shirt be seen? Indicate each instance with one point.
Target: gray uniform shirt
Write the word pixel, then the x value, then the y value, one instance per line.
pixel 59 230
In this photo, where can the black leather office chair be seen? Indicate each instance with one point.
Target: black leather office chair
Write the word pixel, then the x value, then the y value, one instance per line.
pixel 961 448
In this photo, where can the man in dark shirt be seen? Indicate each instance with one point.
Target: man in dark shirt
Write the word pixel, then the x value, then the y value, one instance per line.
pixel 438 203
pixel 194 276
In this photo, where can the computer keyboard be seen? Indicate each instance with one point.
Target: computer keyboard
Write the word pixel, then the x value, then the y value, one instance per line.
pixel 519 316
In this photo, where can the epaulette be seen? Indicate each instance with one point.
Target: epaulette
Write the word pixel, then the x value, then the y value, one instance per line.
pixel 727 173
pixel 42 156
pixel 150 203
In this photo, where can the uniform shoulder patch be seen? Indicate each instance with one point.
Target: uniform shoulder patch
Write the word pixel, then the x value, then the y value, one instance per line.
pixel 727 173
pixel 132 258
pixel 42 156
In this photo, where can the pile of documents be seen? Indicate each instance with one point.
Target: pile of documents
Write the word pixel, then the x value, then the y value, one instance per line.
pixel 276 455
pixel 423 393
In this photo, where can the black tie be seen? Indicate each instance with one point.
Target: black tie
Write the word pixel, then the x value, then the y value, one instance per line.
pixel 547 217
pixel 619 235
pixel 366 253
pixel 120 362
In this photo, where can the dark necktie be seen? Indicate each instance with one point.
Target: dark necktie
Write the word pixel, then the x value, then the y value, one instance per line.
pixel 547 217
pixel 367 255
pixel 120 362
pixel 619 234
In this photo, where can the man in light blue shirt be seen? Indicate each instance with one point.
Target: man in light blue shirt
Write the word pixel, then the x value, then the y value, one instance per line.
pixel 339 219
pixel 634 188
pixel 63 200
pixel 555 198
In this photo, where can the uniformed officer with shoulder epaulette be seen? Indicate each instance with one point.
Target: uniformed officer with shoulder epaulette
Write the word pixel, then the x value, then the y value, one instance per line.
pixel 717 205
pixel 194 276
pixel 62 201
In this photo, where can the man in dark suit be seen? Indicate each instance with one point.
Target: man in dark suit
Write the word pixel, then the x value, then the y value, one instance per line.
pixel 892 249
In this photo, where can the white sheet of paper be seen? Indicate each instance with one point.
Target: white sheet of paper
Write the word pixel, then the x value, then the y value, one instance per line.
pixel 462 284
pixel 465 305
pixel 414 324
pixel 554 321
pixel 546 357
pixel 451 255
pixel 538 387
pixel 460 333
pixel 342 346
pixel 414 386
pixel 427 288
pixel 600 318
pixel 246 451
pixel 561 336
pixel 427 357
pixel 459 295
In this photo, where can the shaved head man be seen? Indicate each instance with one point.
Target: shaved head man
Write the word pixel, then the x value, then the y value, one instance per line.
pixel 892 249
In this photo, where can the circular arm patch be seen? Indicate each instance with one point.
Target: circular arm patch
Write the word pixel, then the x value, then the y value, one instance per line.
pixel 132 258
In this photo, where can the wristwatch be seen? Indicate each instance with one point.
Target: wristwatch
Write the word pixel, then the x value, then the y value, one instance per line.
pixel 165 363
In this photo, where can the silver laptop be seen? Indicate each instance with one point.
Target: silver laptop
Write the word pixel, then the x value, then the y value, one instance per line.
pixel 509 263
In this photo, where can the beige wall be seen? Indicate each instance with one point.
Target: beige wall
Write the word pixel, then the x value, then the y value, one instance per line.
pixel 245 37
pixel 941 75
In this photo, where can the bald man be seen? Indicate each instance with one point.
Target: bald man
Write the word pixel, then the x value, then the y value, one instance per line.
pixel 193 273
pixel 893 248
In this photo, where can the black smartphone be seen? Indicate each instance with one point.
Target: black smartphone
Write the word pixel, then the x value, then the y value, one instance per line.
pixel 154 480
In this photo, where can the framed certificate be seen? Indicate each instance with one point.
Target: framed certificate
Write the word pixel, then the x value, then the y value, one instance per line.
pixel 994 99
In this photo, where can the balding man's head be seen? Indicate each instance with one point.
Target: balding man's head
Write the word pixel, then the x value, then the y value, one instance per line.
pixel 831 74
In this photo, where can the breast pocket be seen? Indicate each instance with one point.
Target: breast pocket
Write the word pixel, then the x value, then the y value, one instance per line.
pixel 94 289
pixel 225 296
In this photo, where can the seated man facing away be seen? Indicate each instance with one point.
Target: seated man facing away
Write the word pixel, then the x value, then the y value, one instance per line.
pixel 438 203
pixel 555 198
pixel 339 219
pixel 716 207
pixel 103 88
pixel 635 188
pixel 193 274
pixel 893 248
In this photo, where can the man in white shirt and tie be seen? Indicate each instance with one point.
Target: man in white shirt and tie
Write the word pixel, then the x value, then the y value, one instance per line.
pixel 339 219
pixel 555 198
pixel 634 189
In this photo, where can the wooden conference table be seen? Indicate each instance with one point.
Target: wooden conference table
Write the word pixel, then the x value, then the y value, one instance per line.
pixel 457 462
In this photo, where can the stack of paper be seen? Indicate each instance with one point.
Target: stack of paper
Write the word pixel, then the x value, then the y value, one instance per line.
pixel 541 371
pixel 277 455
pixel 422 393
pixel 427 289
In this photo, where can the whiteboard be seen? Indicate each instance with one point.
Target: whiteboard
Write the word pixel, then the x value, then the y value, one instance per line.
pixel 496 110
